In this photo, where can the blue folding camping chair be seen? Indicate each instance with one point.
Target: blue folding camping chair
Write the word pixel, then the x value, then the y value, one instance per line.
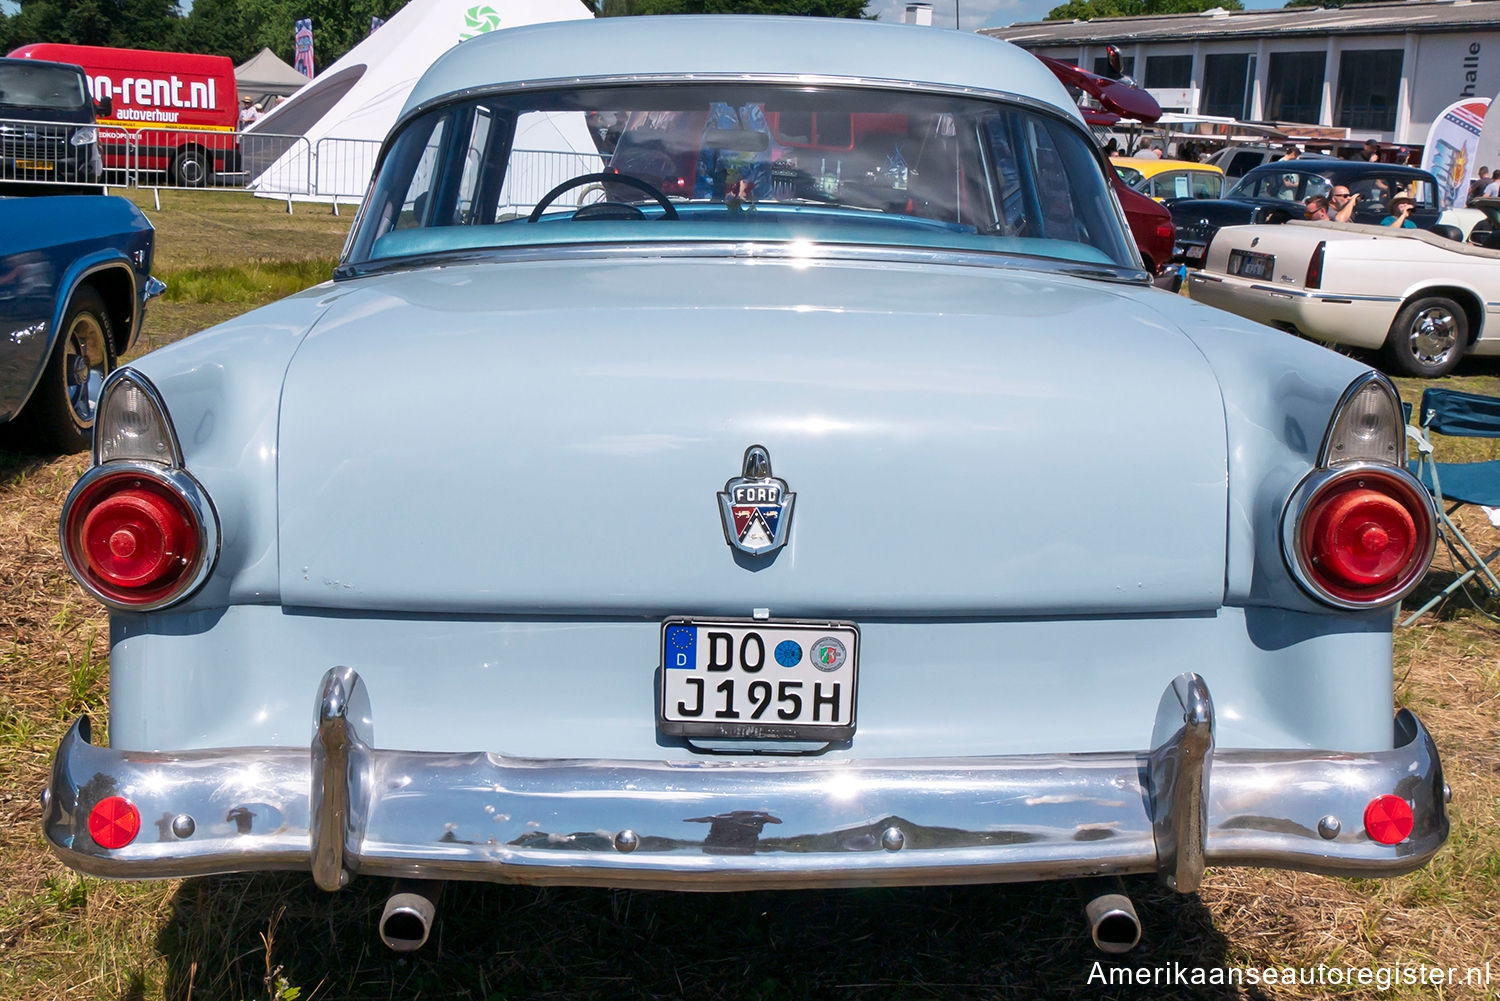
pixel 1458 484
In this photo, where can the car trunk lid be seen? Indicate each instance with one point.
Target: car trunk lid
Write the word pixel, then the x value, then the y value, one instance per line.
pixel 551 437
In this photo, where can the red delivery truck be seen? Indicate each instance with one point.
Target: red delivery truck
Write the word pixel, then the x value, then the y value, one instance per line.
pixel 174 113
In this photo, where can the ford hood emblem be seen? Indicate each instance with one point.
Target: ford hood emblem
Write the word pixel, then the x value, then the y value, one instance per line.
pixel 756 507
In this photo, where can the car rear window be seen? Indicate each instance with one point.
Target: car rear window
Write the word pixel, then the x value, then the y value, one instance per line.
pixel 699 161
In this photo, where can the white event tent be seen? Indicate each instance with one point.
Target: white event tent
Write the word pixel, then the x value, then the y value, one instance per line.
pixel 265 74
pixel 322 142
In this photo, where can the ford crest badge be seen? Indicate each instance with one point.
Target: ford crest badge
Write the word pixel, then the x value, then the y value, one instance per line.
pixel 756 507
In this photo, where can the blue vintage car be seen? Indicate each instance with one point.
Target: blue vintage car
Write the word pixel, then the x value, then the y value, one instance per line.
pixel 75 275
pixel 819 495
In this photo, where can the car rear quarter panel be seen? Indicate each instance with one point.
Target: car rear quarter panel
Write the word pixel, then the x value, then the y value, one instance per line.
pixel 222 388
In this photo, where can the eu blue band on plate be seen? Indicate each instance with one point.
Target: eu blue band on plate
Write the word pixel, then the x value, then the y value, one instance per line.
pixel 681 648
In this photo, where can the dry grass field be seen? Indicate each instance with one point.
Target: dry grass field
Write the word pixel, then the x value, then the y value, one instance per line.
pixel 271 937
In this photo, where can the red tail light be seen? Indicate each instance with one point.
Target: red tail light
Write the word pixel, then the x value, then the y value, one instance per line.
pixel 1315 268
pixel 1166 231
pixel 133 537
pixel 1362 537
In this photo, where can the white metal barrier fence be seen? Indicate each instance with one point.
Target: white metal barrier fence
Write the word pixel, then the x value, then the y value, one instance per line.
pixel 534 172
pixel 71 154
pixel 187 158
pixel 341 168
pixel 49 153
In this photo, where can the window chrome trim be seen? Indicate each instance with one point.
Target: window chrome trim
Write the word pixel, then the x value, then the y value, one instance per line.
pixel 820 253
pixel 1296 507
pixel 180 482
pixel 1055 112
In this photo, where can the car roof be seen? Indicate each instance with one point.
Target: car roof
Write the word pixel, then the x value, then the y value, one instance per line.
pixel 1150 167
pixel 807 47
pixel 1342 168
pixel 8 61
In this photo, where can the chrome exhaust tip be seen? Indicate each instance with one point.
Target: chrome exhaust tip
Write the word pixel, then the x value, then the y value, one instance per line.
pixel 409 912
pixel 1113 923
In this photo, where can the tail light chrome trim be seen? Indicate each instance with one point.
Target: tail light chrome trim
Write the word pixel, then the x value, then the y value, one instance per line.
pixel 116 381
pixel 161 469
pixel 1390 479
pixel 180 483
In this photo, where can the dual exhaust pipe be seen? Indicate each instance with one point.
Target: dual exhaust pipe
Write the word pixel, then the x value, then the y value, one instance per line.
pixel 409 912
pixel 1109 914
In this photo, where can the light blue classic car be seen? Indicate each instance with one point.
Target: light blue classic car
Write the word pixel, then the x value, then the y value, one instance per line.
pixel 75 276
pixel 741 453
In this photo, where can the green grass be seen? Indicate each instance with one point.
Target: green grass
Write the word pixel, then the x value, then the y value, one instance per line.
pixel 248 285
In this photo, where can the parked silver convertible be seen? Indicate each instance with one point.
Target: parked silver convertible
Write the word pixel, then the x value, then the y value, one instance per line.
pixel 820 495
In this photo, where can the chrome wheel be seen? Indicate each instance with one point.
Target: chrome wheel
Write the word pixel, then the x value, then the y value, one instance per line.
pixel 85 364
pixel 1433 335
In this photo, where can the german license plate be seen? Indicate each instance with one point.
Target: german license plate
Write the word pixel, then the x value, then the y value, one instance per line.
pixel 33 165
pixel 773 680
pixel 1248 264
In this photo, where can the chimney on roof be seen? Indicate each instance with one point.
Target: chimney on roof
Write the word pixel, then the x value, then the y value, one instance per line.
pixel 918 13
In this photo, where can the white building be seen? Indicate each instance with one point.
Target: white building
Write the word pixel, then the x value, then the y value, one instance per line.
pixel 1382 70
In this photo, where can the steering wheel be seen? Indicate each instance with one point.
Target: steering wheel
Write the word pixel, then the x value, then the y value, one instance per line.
pixel 605 210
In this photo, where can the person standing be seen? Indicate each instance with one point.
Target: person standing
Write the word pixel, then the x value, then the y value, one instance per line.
pixel 249 113
pixel 1148 151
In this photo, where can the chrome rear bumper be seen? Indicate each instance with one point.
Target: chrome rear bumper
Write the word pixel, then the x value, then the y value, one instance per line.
pixel 728 823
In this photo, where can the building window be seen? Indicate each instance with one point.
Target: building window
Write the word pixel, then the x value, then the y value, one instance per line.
pixel 1226 84
pixel 1127 65
pixel 1169 72
pixel 1294 86
pixel 1369 80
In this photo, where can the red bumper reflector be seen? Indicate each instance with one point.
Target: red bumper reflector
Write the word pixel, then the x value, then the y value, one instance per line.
pixel 114 822
pixel 1388 819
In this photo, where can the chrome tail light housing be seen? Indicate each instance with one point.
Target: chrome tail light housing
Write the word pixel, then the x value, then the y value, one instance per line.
pixel 138 532
pixel 1359 531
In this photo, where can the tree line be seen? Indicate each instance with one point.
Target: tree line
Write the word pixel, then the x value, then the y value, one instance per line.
pixel 240 28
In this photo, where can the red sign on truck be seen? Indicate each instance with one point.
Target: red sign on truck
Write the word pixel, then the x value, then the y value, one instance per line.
pixel 170 112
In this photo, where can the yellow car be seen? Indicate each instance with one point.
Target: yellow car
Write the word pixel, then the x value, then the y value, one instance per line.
pixel 1168 179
